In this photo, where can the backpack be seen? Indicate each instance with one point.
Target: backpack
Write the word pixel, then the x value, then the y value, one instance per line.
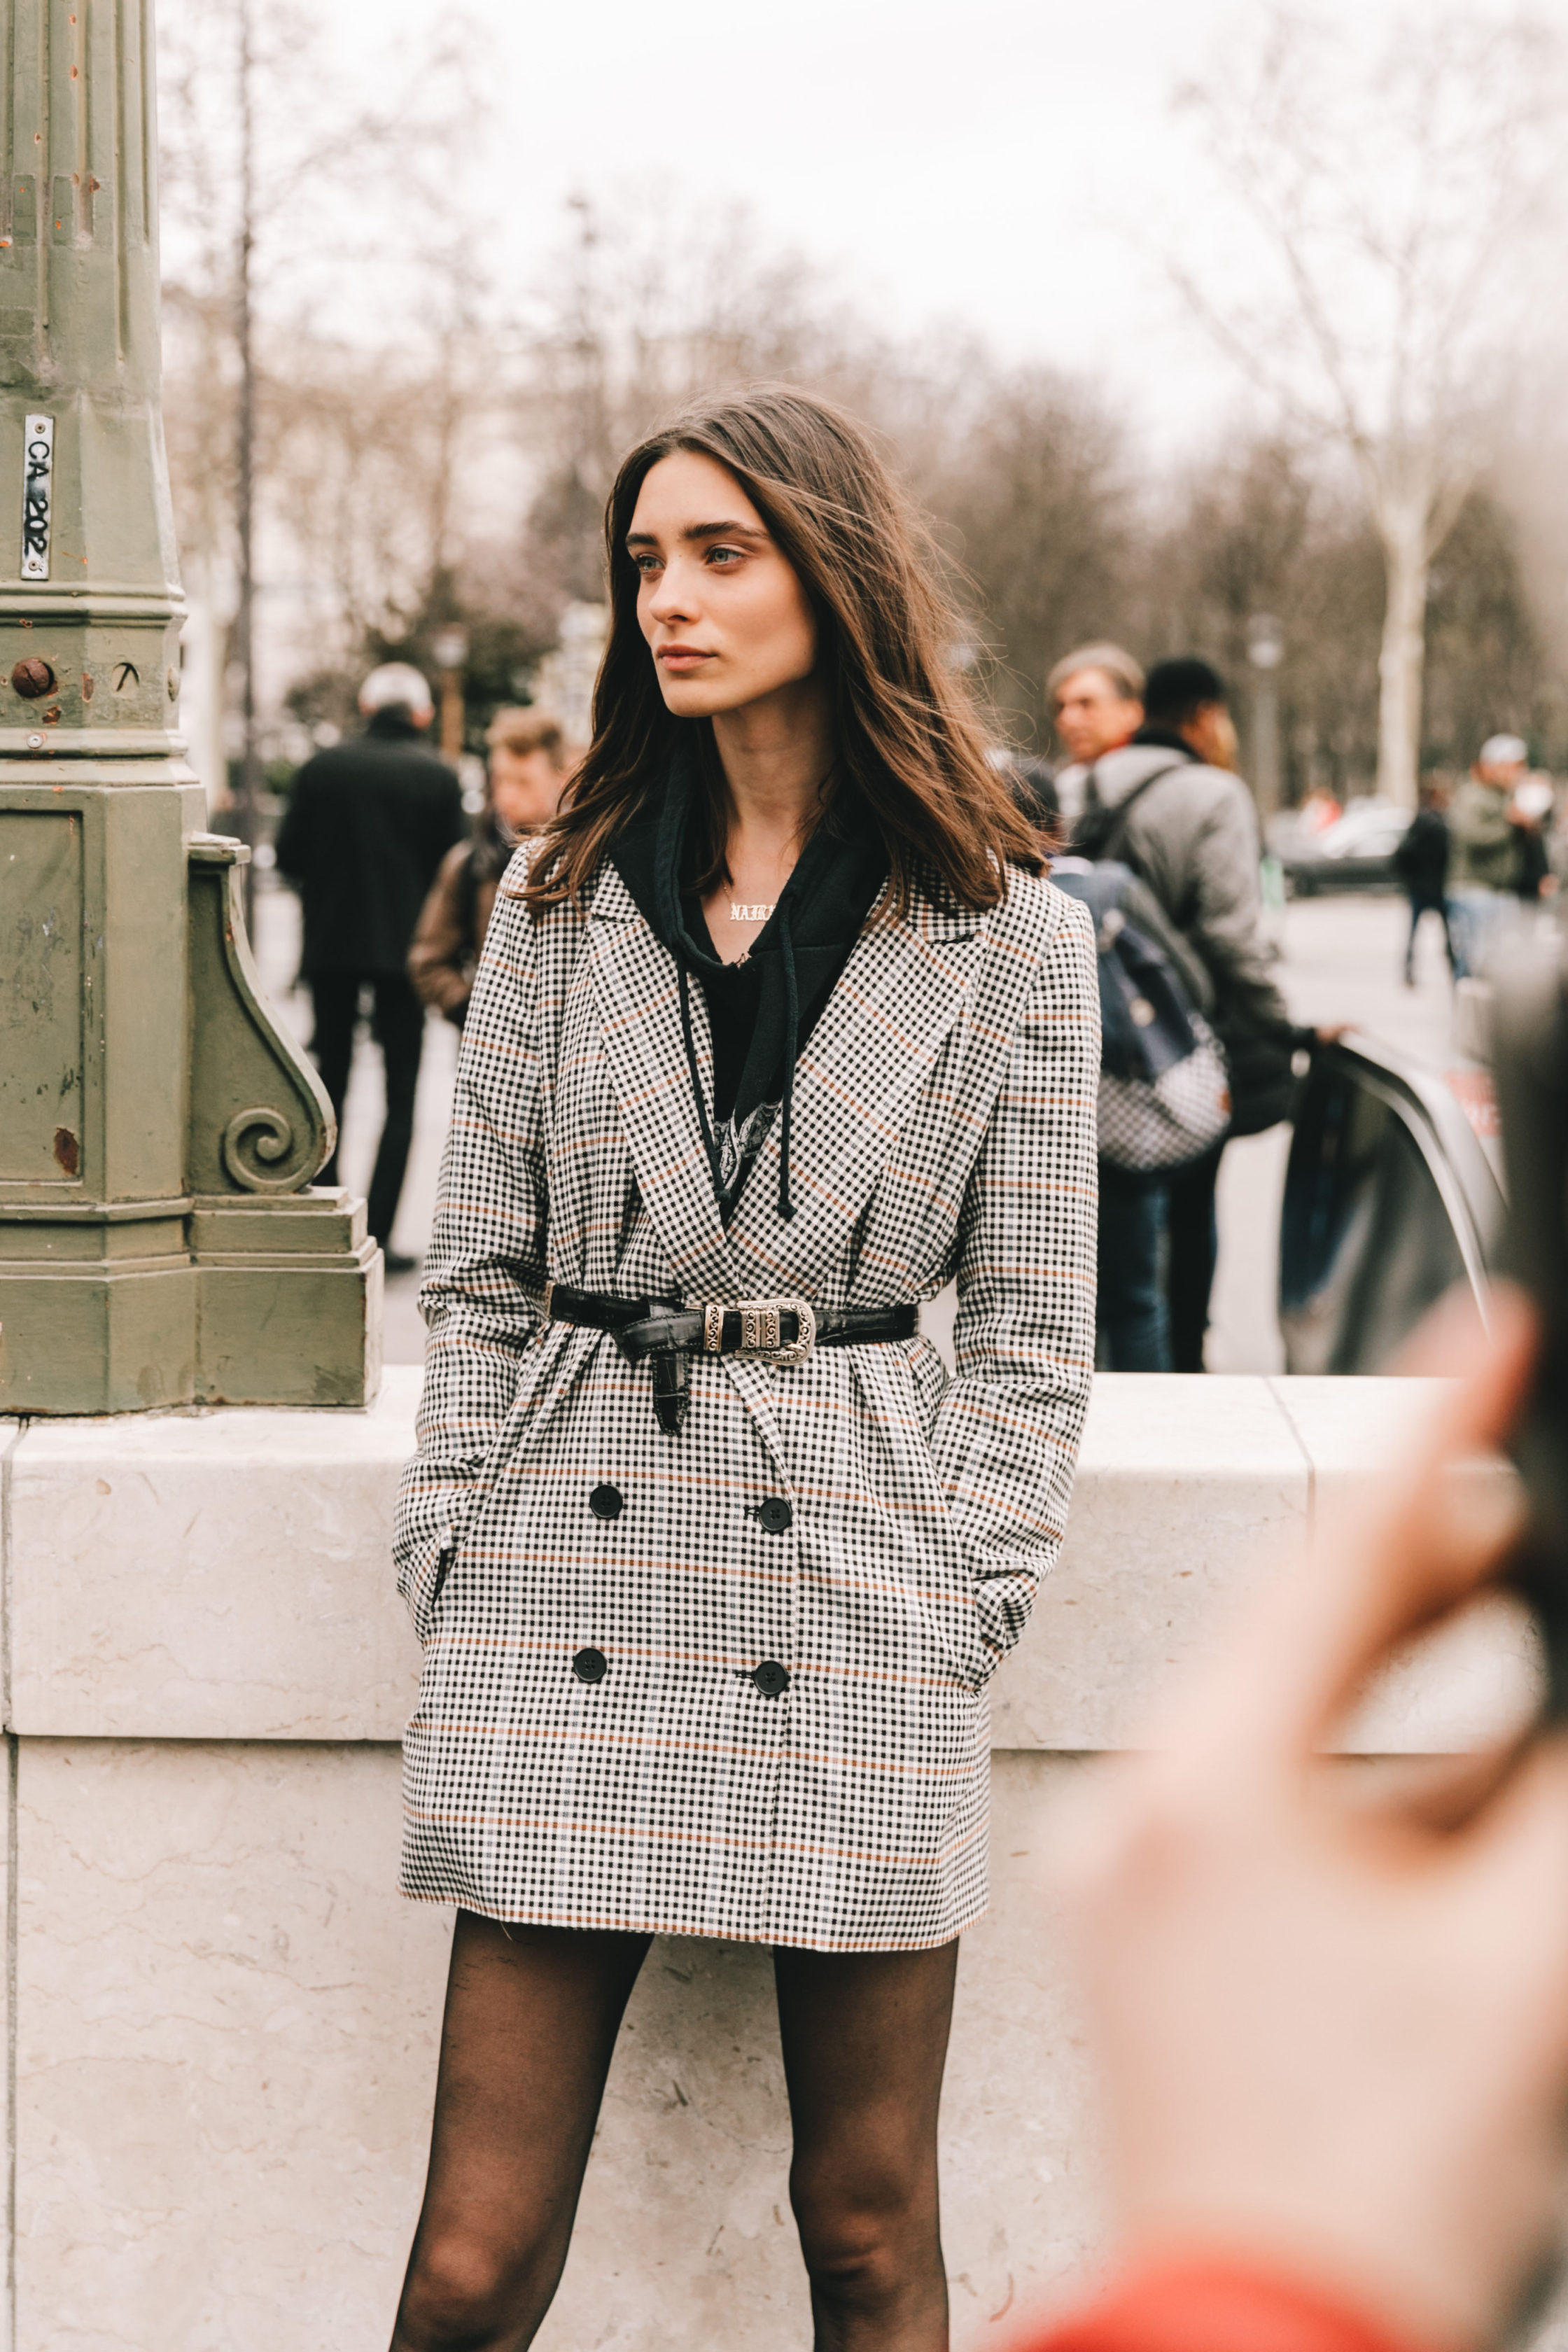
pixel 1259 1054
pixel 1165 1091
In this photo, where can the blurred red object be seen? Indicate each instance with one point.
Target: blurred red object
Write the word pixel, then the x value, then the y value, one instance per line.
pixel 1216 2306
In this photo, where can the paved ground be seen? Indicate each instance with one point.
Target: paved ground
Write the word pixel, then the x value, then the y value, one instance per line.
pixel 1340 963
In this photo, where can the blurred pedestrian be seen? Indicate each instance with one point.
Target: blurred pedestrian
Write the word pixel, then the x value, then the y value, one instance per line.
pixel 1533 806
pixel 1169 805
pixel 1421 862
pixel 1483 828
pixel 1096 698
pixel 369 822
pixel 527 766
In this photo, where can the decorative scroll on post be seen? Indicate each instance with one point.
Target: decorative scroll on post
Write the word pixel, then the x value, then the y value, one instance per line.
pixel 259 1122
pixel 38 489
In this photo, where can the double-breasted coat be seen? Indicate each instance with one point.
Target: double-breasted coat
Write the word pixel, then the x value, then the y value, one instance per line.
pixel 733 1683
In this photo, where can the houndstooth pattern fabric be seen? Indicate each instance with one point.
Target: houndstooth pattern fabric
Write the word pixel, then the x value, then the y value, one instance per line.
pixel 944 1122
pixel 1147 1125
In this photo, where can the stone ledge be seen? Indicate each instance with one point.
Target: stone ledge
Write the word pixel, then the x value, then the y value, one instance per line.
pixel 225 1574
pixel 226 2055
pixel 212 1574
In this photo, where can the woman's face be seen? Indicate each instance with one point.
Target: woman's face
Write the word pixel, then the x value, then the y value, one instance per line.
pixel 723 611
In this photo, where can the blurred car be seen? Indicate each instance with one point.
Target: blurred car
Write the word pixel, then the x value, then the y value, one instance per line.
pixel 1392 1198
pixel 1356 853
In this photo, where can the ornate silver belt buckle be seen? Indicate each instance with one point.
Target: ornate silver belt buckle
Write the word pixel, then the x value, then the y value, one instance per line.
pixel 761 1325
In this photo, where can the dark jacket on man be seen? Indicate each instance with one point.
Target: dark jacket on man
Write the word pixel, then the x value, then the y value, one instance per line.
pixel 369 823
pixel 1535 865
pixel 1421 860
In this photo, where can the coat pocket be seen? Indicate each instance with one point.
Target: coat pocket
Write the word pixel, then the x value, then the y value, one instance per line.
pixel 912 1510
pixel 425 1588
pixel 975 1658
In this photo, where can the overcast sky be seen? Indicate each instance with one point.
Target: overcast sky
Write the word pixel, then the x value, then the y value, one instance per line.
pixel 981 162
pixel 965 162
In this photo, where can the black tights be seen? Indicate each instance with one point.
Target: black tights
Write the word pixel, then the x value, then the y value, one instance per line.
pixel 531 2019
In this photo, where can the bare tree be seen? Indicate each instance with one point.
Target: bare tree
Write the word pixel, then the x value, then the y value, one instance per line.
pixel 1035 485
pixel 269 159
pixel 1399 202
pixel 644 306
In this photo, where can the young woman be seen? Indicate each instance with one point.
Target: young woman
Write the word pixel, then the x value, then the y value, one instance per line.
pixel 777 1030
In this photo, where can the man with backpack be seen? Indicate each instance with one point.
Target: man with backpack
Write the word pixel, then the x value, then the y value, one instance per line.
pixel 1169 805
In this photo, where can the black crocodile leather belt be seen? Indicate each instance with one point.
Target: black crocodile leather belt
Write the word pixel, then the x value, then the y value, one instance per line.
pixel 765 1330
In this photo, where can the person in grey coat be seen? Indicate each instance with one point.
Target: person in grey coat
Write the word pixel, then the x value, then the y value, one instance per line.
pixel 1189 831
pixel 1486 833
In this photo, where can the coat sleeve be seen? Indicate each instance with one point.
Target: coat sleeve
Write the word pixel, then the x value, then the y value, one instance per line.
pixel 293 848
pixel 452 825
pixel 1004 1442
pixel 1224 911
pixel 442 951
pixel 486 1253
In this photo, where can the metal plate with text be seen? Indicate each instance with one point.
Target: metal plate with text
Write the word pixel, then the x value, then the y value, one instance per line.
pixel 38 496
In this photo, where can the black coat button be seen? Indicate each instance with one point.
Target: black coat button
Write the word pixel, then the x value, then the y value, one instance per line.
pixel 590 1665
pixel 775 1516
pixel 607 1502
pixel 771 1678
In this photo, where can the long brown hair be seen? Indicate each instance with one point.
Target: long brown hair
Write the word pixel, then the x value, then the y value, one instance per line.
pixel 907 731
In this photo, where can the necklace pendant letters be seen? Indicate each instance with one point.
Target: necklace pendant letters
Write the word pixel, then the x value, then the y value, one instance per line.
pixel 740 912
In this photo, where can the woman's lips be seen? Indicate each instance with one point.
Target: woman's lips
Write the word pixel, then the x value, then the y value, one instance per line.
pixel 682 657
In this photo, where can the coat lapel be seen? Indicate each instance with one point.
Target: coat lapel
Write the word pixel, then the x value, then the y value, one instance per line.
pixel 639 1007
pixel 862 1066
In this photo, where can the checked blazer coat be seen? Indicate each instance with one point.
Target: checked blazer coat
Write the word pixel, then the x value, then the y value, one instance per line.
pixel 595 1745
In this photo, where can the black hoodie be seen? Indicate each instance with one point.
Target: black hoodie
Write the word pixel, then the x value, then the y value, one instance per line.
pixel 763 1009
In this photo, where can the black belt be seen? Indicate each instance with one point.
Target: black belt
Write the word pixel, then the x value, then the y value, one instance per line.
pixel 763 1331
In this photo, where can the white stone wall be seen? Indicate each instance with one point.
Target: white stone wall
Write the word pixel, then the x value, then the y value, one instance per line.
pixel 223 2019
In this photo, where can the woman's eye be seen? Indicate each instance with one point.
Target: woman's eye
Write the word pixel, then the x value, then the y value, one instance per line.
pixel 646 564
pixel 724 555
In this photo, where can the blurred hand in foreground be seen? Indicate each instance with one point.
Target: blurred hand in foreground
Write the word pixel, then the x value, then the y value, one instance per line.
pixel 1332 2016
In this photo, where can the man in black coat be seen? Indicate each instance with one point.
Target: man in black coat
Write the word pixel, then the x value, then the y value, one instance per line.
pixel 1421 862
pixel 368 824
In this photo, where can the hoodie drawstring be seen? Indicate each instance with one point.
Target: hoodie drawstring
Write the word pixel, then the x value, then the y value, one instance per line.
pixel 792 1046
pixel 709 1145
